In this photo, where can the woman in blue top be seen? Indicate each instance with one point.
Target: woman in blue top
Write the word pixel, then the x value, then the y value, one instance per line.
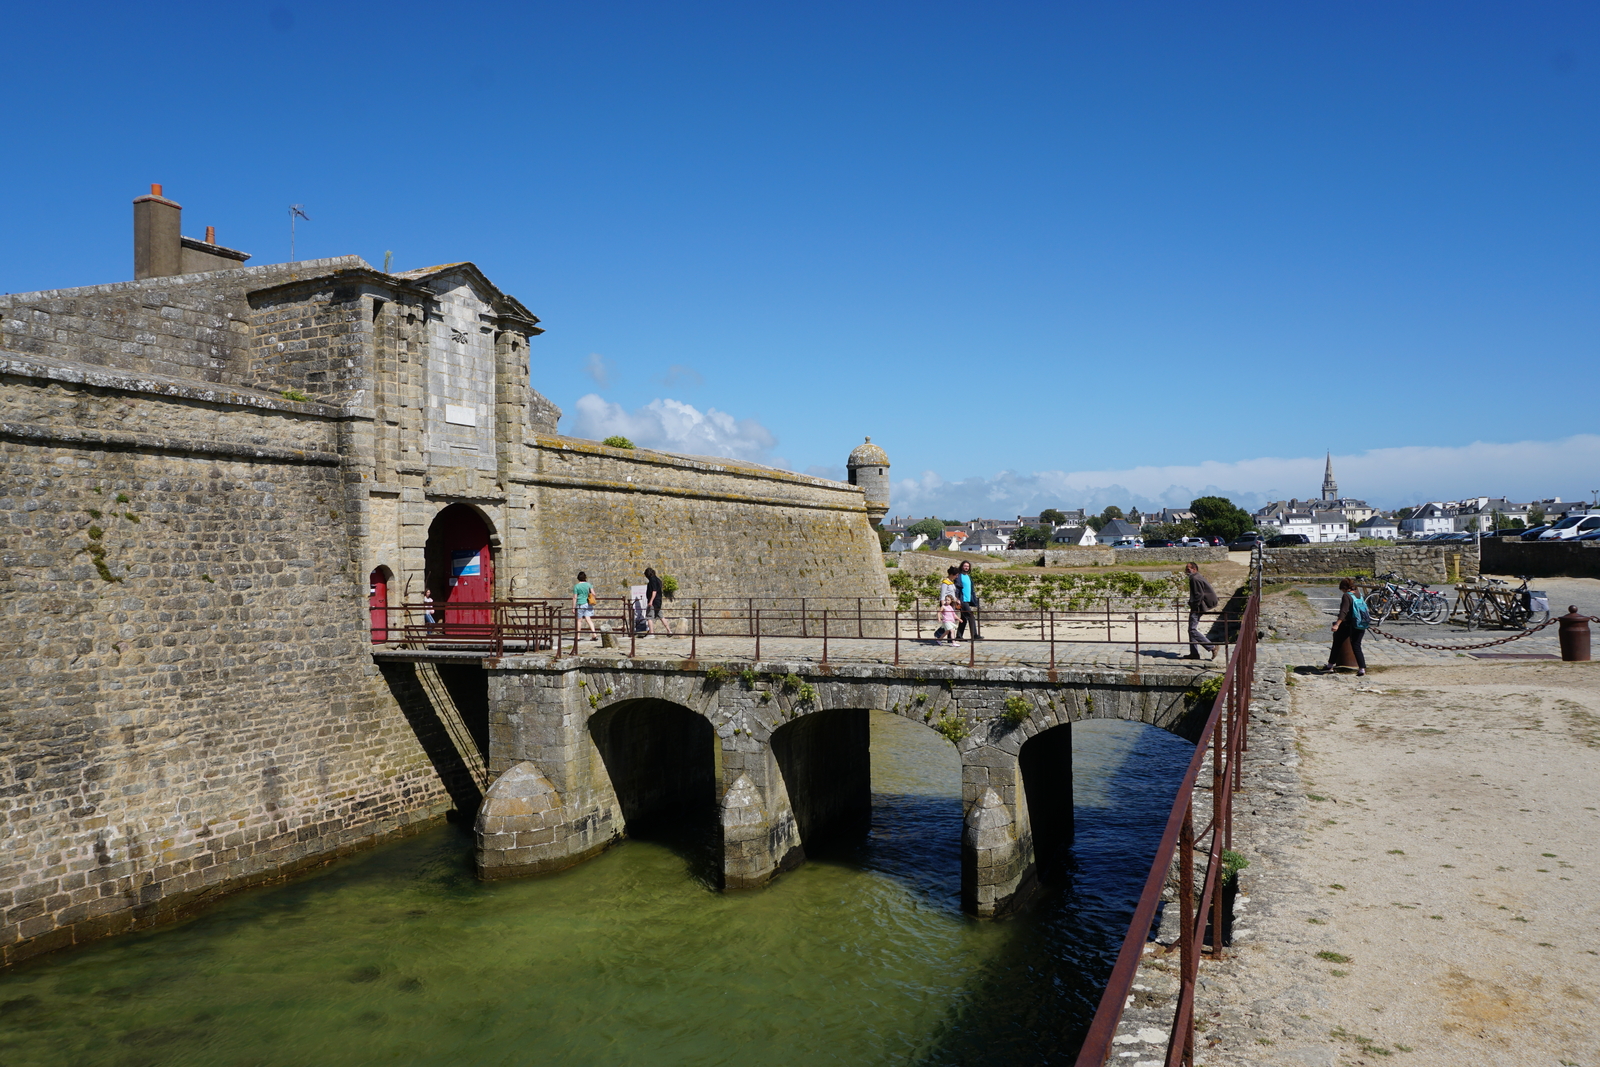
pixel 1349 626
pixel 583 600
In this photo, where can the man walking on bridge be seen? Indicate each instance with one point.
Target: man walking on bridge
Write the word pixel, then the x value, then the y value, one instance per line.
pixel 1202 598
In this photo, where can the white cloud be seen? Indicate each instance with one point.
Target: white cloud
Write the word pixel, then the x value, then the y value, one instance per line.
pixel 673 426
pixel 598 367
pixel 1388 477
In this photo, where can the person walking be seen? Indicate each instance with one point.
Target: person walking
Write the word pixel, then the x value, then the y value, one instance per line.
pixel 969 602
pixel 583 601
pixel 653 593
pixel 1351 625
pixel 949 611
pixel 1202 598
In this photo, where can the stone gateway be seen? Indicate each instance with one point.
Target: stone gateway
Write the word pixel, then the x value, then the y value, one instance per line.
pixel 218 488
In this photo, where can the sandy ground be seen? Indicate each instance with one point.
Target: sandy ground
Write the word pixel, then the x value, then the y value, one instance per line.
pixel 1424 890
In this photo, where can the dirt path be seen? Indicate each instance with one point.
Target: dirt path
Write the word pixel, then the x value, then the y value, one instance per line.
pixel 1429 897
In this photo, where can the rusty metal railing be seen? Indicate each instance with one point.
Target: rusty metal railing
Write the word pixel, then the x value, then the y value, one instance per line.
pixel 841 624
pixel 1223 742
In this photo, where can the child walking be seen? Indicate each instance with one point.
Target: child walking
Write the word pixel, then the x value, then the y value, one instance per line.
pixel 949 609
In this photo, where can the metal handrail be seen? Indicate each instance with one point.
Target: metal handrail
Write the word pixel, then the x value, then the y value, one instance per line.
pixel 1225 740
pixel 549 623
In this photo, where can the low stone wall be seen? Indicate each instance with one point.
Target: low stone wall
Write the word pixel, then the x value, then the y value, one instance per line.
pixel 1428 563
pixel 1541 559
pixel 1195 554
pixel 1077 556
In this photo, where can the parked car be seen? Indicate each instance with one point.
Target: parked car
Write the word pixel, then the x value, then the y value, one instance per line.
pixel 1284 540
pixel 1127 542
pixel 1159 542
pixel 1214 541
pixel 1571 527
pixel 1592 535
pixel 1532 533
pixel 1193 542
pixel 1245 542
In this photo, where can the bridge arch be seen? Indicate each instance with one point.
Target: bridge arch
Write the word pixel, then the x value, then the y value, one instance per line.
pixel 661 764
pixel 824 759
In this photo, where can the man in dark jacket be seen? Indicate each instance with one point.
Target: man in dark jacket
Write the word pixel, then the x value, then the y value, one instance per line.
pixel 1202 598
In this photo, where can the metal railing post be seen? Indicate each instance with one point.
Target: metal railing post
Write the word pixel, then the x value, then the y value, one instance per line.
pixel 803 632
pixel 1136 637
pixel 1189 965
pixel 824 636
pixel 897 637
pixel 694 629
pixel 1052 639
pixel 758 634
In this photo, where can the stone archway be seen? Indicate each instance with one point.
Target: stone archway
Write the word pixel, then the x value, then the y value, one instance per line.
pixel 459 565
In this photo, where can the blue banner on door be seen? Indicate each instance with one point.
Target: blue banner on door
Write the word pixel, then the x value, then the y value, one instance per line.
pixel 464 565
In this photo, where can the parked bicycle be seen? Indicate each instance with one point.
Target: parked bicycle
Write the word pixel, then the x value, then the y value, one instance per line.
pixel 1494 602
pixel 1407 598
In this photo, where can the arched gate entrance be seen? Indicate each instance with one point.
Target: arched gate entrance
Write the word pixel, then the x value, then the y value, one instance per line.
pixel 460 566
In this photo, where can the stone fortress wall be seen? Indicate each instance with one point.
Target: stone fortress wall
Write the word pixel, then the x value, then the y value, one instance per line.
pixel 190 700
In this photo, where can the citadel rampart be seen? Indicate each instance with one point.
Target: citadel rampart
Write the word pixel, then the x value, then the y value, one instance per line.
pixel 203 474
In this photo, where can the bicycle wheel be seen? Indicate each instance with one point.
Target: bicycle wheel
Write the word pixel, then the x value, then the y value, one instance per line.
pixel 1379 605
pixel 1434 609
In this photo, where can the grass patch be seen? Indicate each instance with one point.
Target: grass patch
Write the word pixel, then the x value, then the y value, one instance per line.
pixel 1333 957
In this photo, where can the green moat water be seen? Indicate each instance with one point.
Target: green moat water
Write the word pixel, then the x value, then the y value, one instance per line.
pixel 400 956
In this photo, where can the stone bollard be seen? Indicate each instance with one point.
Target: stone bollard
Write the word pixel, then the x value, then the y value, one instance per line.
pixel 1574 630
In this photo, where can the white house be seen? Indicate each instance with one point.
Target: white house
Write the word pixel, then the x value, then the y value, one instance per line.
pixel 908 542
pixel 1082 536
pixel 1116 530
pixel 1428 519
pixel 1379 527
pixel 986 541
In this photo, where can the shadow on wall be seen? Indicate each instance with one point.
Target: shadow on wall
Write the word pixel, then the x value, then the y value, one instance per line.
pixel 1046 762
pixel 825 761
pixel 447 705
pixel 661 759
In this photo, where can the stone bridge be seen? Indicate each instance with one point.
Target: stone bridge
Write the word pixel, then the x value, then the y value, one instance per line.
pixel 583 751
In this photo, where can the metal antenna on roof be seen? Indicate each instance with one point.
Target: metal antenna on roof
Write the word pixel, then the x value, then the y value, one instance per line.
pixel 295 211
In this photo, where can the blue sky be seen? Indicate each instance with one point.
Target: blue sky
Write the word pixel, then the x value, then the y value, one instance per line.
pixel 1044 253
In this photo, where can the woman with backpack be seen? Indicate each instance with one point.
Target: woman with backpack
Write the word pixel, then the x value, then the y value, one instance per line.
pixel 1351 625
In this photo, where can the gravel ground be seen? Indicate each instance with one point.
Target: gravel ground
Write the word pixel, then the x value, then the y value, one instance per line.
pixel 1423 872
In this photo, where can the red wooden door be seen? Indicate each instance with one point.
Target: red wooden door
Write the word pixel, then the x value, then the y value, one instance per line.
pixel 378 603
pixel 464 541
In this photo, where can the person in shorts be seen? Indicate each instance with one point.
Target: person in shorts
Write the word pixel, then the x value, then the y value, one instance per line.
pixel 583 600
pixel 653 593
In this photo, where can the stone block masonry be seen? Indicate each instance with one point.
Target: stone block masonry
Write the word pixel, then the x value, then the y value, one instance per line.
pixel 791 764
pixel 1427 563
pixel 187 699
pixel 200 474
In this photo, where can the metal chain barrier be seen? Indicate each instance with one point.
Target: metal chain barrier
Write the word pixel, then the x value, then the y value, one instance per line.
pixel 1465 648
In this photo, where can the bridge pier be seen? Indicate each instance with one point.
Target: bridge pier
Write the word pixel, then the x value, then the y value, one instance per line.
pixel 583 752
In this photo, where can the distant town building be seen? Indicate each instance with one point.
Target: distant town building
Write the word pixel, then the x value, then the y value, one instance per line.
pixel 1379 527
pixel 1081 536
pixel 986 541
pixel 1116 530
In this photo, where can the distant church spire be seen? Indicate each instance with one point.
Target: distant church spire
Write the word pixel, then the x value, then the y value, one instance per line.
pixel 1330 488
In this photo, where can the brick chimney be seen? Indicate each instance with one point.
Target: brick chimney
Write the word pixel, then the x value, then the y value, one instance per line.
pixel 157 236
pixel 160 250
